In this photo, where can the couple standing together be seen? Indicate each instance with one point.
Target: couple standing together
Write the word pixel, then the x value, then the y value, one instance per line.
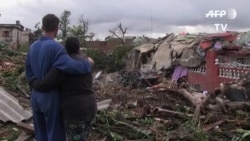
pixel 60 79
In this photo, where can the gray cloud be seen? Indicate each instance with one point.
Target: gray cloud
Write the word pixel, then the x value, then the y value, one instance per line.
pixel 166 15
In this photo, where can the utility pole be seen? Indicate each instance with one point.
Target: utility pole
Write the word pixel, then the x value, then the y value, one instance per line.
pixel 151 20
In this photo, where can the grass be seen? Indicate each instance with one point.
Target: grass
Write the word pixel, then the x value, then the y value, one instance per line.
pixel 195 130
pixel 23 49
pixel 9 132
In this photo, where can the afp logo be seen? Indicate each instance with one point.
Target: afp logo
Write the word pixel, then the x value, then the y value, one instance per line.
pixel 230 14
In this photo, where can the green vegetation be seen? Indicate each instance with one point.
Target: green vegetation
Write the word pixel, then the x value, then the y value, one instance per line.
pixel 81 30
pixel 109 63
pixel 116 129
pixel 12 73
pixel 194 130
pixel 23 49
pixel 9 133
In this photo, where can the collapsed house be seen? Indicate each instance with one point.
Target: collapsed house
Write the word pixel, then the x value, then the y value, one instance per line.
pixel 205 60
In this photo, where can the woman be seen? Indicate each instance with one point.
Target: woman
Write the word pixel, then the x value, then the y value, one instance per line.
pixel 78 99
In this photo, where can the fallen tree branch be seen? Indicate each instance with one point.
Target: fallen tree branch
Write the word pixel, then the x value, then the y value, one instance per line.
pixel 171 113
pixel 194 99
pixel 211 126
pixel 198 100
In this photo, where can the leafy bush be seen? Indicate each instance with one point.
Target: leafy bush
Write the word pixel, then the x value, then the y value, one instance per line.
pixel 23 48
pixel 98 57
pixel 109 63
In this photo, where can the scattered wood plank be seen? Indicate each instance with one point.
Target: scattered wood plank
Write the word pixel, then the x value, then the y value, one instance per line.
pixel 26 127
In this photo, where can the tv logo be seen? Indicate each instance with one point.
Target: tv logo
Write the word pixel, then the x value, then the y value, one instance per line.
pixel 230 15
pixel 220 27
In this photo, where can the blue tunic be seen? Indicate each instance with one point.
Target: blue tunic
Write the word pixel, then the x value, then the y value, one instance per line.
pixel 43 55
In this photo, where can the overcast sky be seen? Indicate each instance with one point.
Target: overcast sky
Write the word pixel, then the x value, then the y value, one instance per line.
pixel 141 17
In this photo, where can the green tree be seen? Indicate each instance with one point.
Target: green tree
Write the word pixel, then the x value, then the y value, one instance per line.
pixel 38 31
pixel 64 23
pixel 98 57
pixel 82 30
pixel 76 30
pixel 111 63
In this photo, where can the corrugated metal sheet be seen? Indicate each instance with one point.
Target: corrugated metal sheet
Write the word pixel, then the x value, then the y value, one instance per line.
pixel 10 110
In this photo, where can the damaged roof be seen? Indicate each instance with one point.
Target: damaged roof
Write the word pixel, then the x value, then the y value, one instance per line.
pixel 144 48
pixel 229 36
pixel 10 109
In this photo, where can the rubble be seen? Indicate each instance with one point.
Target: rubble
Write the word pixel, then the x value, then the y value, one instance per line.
pixel 143 102
pixel 165 113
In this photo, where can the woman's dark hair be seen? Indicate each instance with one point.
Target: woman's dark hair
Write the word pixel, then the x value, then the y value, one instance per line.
pixel 72 45
pixel 50 22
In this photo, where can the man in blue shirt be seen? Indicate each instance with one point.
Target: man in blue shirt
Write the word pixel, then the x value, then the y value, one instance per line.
pixel 43 55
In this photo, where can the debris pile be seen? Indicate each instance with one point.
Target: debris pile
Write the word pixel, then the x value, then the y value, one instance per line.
pixel 15 104
pixel 167 112
pixel 143 102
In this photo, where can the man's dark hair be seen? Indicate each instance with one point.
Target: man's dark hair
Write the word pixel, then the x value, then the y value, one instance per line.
pixel 72 45
pixel 50 22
